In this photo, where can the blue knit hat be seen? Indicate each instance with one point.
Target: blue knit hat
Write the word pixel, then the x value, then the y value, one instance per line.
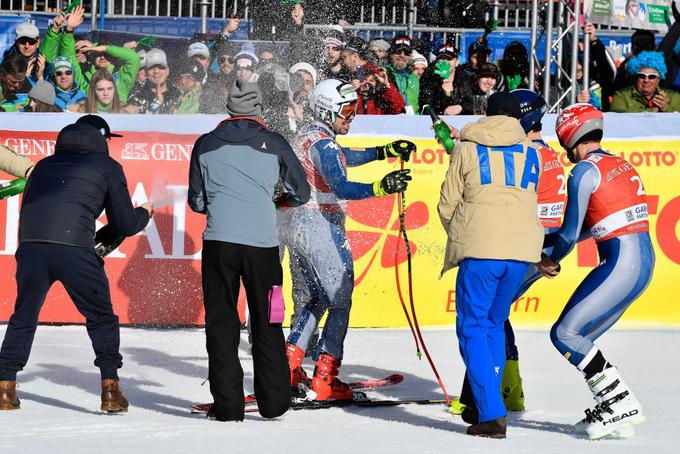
pixel 647 59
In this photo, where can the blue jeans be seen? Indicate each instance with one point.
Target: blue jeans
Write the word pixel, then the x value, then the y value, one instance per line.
pixel 484 294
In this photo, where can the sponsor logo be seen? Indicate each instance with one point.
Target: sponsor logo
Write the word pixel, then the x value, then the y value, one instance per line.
pixel 332 145
pixel 135 151
pixel 630 217
pixel 264 146
pixel 621 417
pixel 544 211
pixel 594 158
pixel 641 211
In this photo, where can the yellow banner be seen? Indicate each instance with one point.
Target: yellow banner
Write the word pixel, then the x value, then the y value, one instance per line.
pixel 373 230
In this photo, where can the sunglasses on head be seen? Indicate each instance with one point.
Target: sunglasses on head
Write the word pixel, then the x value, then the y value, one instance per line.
pixel 30 41
pixel 68 72
pixel 643 76
pixel 226 59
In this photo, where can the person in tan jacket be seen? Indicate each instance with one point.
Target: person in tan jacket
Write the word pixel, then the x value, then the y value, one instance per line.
pixel 14 164
pixel 488 207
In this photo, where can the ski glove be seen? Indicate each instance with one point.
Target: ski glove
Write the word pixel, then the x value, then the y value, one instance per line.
pixel 397 149
pixel 396 181
pixel 443 69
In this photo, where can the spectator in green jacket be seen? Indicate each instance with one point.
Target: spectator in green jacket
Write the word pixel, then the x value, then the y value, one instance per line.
pixel 400 73
pixel 647 69
pixel 99 55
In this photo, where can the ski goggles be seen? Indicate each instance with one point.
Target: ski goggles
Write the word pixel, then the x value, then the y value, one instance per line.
pixel 643 76
pixel 348 110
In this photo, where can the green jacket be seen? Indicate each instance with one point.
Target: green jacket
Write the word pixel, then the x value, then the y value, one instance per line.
pixel 190 101
pixel 408 85
pixel 50 44
pixel 125 77
pixel 630 100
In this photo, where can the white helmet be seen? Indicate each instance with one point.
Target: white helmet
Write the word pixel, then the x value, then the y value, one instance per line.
pixel 329 97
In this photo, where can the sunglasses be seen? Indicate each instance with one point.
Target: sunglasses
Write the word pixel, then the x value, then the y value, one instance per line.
pixel 402 51
pixel 348 110
pixel 68 72
pixel 334 48
pixel 244 68
pixel 200 57
pixel 643 76
pixel 29 41
pixel 226 59
pixel 156 67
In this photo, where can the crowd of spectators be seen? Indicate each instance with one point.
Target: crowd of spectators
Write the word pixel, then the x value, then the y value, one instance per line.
pixel 57 70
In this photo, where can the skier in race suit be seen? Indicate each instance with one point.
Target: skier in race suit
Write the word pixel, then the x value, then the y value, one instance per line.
pixel 606 199
pixel 314 233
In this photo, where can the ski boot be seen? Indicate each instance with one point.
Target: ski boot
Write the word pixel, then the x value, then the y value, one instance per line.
pixel 113 400
pixel 496 428
pixel 513 395
pixel 8 395
pixel 617 410
pixel 325 382
pixel 298 375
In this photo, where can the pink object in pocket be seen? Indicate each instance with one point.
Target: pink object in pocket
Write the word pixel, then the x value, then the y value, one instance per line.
pixel 277 308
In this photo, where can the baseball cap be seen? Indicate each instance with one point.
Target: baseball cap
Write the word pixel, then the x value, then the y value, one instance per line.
pixel 503 103
pixel 99 123
pixel 488 70
pixel 156 57
pixel 379 44
pixel 248 55
pixel 400 42
pixel 198 48
pixel 193 70
pixel 478 48
pixel 62 62
pixel 27 30
pixel 447 50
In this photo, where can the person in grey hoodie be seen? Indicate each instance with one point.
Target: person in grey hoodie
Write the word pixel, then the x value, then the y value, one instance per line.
pixel 239 173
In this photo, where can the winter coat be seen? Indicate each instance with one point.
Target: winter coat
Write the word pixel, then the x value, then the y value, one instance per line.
pixel 484 215
pixel 386 101
pixel 144 98
pixel 630 100
pixel 67 191
pixel 12 163
pixel 408 85
pixel 238 170
pixel 67 97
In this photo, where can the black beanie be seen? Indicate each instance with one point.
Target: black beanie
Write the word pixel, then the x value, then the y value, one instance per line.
pixel 503 103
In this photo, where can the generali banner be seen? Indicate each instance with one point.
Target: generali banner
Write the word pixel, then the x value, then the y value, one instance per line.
pixel 155 276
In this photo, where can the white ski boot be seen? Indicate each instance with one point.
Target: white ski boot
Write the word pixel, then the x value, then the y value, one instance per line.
pixel 617 409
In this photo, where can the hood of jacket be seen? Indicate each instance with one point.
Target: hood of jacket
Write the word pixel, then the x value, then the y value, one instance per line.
pixel 494 131
pixel 80 139
pixel 239 129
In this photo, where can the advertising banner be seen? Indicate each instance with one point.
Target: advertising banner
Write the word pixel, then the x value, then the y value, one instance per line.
pixel 155 276
pixel 643 15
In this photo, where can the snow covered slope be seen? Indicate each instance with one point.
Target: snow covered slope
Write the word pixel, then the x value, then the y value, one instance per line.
pixel 163 371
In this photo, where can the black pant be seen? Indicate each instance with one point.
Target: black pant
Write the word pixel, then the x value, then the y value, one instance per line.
pixel 82 273
pixel 222 266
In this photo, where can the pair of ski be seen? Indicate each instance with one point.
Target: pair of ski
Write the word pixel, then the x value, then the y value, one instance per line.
pixel 359 399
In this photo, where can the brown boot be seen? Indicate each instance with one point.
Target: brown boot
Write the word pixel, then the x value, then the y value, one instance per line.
pixel 8 395
pixel 495 428
pixel 113 400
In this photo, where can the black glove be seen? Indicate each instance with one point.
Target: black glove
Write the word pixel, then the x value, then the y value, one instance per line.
pixel 397 149
pixel 391 183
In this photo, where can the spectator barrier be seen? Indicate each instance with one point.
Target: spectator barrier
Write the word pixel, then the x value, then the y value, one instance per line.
pixel 155 276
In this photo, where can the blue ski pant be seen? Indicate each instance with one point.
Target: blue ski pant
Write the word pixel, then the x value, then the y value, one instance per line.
pixel 484 293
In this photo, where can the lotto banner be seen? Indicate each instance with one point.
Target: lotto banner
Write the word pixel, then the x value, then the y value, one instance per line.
pixel 155 276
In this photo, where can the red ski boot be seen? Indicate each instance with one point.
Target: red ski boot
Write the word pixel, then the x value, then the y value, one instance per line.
pixel 325 382
pixel 297 373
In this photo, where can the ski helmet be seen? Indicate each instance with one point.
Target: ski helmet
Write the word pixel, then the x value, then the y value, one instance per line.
pixel 578 123
pixel 532 108
pixel 332 98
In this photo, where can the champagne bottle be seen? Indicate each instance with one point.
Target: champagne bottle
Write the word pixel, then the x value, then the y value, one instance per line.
pixel 441 130
pixel 106 240
pixel 71 6
pixel 11 188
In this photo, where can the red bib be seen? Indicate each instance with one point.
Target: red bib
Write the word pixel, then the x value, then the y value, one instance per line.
pixel 618 206
pixel 551 192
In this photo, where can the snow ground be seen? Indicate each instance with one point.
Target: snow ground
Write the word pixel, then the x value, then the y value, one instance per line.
pixel 164 369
